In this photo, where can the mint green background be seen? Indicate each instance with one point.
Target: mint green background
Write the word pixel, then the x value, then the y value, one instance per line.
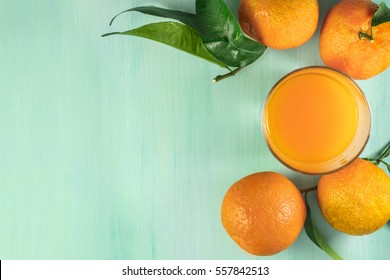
pixel 122 148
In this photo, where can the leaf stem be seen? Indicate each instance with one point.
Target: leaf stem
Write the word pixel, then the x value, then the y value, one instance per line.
pixel 382 161
pixel 386 152
pixel 309 189
pixel 365 36
pixel 109 34
pixel 230 74
pixel 380 158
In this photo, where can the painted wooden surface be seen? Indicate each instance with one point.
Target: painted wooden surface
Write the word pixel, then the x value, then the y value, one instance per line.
pixel 122 148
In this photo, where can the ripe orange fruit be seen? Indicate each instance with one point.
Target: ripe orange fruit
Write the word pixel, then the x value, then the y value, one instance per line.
pixel 263 213
pixel 342 45
pixel 279 24
pixel 356 199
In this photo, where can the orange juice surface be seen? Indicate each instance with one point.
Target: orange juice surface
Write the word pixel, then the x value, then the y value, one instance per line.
pixel 311 117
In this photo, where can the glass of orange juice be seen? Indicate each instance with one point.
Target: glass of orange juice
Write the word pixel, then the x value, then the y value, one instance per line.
pixel 316 120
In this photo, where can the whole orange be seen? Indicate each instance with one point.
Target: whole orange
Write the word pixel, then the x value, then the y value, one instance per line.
pixel 345 42
pixel 279 24
pixel 263 213
pixel 356 199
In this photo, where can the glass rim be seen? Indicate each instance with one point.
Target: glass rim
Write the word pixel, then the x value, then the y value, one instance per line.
pixel 365 101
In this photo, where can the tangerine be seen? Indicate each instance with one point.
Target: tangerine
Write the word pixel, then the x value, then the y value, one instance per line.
pixel 350 44
pixel 279 24
pixel 263 213
pixel 356 199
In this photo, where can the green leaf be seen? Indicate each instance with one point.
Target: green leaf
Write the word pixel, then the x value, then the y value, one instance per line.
pixel 215 32
pixel 381 15
pixel 174 34
pixel 219 30
pixel 315 236
pixel 186 18
pixel 222 35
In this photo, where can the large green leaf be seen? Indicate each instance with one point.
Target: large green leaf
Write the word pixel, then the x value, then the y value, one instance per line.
pixel 220 32
pixel 315 236
pixel 184 17
pixel 381 15
pixel 215 32
pixel 174 34
pixel 222 35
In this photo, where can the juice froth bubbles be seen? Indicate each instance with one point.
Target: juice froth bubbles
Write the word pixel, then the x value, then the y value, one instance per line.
pixel 316 120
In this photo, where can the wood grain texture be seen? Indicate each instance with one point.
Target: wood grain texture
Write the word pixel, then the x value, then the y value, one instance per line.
pixel 122 148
